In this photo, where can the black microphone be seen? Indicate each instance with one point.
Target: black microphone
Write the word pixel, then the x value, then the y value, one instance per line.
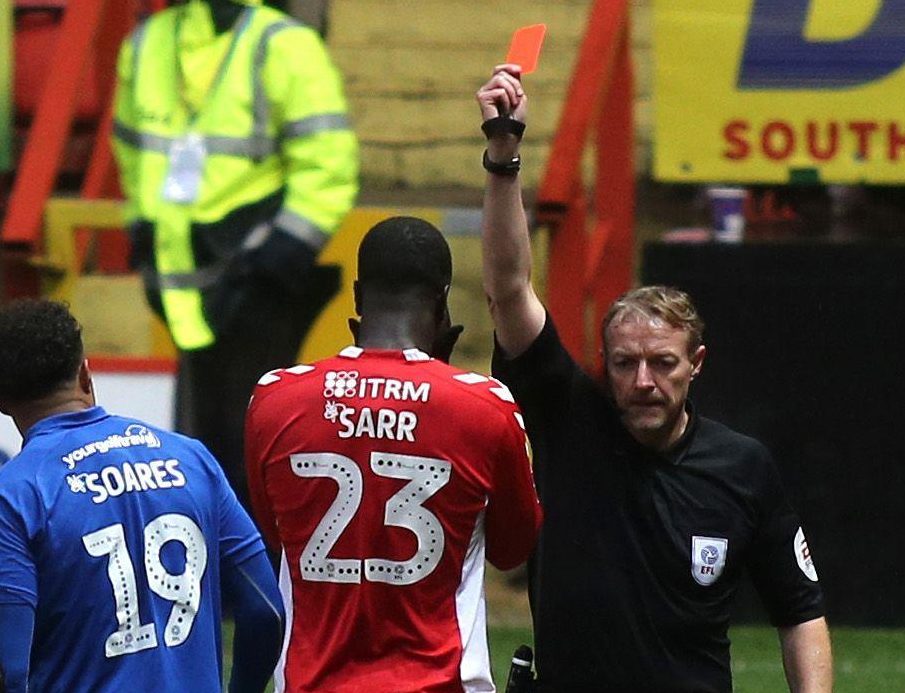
pixel 521 680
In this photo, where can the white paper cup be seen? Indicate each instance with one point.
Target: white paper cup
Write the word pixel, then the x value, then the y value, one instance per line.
pixel 727 204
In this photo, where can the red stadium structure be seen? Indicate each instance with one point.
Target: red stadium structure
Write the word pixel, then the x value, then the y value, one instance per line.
pixel 592 240
pixel 65 57
pixel 65 53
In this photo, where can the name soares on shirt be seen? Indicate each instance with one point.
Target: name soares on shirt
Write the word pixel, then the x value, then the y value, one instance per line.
pixel 116 534
pixel 114 480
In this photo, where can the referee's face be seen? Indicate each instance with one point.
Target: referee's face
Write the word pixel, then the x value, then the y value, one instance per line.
pixel 648 372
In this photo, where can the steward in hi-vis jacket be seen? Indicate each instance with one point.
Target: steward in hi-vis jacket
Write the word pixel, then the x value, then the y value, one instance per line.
pixel 238 164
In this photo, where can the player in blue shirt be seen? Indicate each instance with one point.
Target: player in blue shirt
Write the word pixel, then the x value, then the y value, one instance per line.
pixel 116 538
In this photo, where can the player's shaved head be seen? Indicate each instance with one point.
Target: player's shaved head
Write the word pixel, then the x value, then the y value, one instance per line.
pixel 404 274
pixel 40 349
pixel 402 253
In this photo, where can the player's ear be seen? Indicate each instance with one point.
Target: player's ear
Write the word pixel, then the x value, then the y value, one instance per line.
pixel 86 384
pixel 354 328
pixel 441 309
pixel 356 293
pixel 697 360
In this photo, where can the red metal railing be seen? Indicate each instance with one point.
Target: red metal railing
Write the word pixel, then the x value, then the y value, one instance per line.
pixel 86 47
pixel 592 240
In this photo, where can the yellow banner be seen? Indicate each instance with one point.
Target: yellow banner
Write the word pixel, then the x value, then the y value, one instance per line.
pixel 6 84
pixel 779 91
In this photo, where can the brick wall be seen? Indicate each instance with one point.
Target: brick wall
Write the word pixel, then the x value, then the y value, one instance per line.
pixel 412 68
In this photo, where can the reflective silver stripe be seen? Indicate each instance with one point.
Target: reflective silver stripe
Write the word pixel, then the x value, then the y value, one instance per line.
pixel 258 146
pixel 316 123
pixel 248 147
pixel 142 140
pixel 260 106
pixel 199 279
pixel 126 134
pixel 306 231
pixel 138 39
pixel 255 147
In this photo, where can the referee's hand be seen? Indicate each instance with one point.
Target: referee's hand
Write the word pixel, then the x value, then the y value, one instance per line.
pixel 503 95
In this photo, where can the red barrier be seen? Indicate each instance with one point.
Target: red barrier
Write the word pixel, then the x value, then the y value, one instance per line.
pixel 599 102
pixel 77 75
pixel 47 136
pixel 101 178
pixel 36 36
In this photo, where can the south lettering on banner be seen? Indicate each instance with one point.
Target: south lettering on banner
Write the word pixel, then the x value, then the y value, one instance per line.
pixel 820 141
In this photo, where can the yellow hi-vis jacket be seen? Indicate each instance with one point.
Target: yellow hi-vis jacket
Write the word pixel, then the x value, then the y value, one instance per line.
pixel 278 150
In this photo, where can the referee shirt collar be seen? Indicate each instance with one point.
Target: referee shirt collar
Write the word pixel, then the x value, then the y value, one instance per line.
pixel 629 446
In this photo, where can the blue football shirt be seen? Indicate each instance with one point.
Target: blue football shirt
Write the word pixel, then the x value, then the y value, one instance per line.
pixel 115 533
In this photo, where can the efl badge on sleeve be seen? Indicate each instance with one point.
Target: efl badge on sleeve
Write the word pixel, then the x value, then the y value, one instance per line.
pixel 803 556
pixel 708 558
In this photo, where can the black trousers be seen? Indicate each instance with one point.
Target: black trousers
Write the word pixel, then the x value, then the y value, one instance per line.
pixel 213 385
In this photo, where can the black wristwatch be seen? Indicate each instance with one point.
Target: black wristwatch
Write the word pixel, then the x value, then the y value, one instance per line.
pixel 507 168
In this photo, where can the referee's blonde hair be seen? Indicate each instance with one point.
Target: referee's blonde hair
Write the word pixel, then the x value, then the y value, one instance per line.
pixel 658 303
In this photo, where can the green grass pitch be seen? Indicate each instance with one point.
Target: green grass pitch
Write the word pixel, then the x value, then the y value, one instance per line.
pixel 866 660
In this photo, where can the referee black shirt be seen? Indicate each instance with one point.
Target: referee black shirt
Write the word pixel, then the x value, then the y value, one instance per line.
pixel 641 552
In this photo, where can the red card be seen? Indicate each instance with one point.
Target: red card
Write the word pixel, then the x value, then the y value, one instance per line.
pixel 525 47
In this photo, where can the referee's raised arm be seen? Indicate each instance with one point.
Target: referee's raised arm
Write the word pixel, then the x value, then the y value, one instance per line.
pixel 518 315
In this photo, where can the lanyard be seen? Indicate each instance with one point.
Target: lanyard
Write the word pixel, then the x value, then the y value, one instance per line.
pixel 241 24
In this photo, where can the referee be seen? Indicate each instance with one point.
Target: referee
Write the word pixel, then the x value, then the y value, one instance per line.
pixel 652 513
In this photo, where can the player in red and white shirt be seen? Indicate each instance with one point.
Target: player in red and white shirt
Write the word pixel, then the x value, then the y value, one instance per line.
pixel 385 477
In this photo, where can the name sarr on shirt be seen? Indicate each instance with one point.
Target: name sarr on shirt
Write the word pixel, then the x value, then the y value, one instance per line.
pixel 364 422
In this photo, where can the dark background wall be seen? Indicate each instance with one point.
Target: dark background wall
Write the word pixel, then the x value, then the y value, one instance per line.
pixel 806 352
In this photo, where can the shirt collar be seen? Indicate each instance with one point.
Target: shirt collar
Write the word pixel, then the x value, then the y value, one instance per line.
pixel 410 355
pixel 680 448
pixel 627 444
pixel 73 419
